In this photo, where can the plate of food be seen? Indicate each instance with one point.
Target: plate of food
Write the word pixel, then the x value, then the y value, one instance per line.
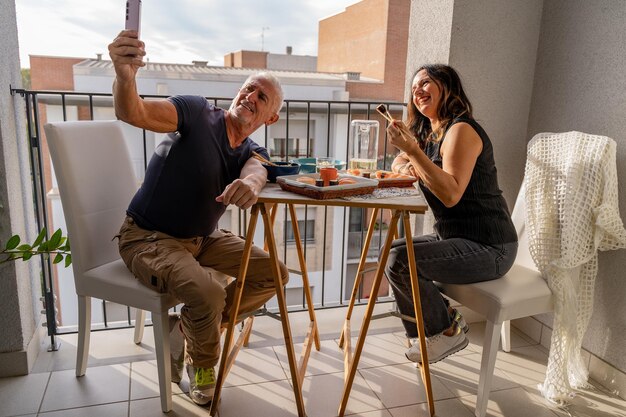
pixel 312 185
pixel 385 178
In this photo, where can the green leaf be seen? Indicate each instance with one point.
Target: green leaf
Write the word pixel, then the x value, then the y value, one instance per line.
pixel 24 248
pixel 68 260
pixel 55 240
pixel 44 246
pixel 27 256
pixel 57 258
pixel 40 238
pixel 13 242
pixel 67 244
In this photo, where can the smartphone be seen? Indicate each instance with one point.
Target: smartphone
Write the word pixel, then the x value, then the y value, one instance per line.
pixel 133 15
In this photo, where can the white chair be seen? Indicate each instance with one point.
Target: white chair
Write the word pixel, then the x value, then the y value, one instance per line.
pixel 96 182
pixel 522 292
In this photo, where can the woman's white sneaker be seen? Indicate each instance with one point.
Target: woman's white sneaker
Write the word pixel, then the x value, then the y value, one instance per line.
pixel 438 347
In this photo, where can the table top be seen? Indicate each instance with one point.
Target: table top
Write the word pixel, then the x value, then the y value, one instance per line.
pixel 272 193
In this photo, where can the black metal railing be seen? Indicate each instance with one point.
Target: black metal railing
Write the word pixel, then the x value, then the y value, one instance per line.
pixel 307 116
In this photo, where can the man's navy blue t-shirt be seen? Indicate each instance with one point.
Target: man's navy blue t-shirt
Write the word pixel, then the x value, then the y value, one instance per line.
pixel 188 170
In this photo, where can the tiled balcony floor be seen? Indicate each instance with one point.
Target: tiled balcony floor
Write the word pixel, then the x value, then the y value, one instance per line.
pixel 121 379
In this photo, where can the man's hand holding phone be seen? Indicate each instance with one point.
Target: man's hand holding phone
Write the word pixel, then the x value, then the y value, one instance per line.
pixel 126 50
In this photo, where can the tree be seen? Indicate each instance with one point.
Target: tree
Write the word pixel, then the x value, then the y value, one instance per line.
pixel 57 245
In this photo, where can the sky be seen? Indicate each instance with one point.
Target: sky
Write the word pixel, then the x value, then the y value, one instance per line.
pixel 174 31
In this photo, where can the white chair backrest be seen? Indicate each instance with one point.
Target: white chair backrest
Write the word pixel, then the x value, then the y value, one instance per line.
pixel 519 220
pixel 96 183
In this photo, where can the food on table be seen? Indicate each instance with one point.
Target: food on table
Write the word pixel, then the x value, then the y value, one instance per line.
pixel 390 175
pixel 346 181
pixel 306 180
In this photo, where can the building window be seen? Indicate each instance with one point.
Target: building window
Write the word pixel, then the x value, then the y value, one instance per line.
pixel 296 148
pixel 307 234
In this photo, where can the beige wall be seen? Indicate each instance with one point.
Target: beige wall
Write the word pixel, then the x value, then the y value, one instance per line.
pixel 19 316
pixel 580 84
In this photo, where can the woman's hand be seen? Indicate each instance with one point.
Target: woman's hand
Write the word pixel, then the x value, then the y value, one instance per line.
pixel 401 137
pixel 402 165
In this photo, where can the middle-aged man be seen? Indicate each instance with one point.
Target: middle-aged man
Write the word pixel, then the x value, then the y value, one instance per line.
pixel 170 234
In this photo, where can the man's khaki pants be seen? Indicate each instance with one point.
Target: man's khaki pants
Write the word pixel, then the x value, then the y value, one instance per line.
pixel 175 266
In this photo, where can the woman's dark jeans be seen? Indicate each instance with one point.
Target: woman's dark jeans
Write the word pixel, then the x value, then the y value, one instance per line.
pixel 453 261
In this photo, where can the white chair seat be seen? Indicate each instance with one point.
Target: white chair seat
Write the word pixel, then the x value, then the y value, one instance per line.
pixel 114 282
pixel 515 294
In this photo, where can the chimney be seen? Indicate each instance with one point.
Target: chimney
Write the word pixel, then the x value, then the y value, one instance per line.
pixel 98 57
pixel 200 63
pixel 289 50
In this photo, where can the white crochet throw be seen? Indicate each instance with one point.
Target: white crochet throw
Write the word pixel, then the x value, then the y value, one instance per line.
pixel 571 213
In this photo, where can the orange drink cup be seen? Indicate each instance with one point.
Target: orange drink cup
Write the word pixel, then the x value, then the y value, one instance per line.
pixel 327 174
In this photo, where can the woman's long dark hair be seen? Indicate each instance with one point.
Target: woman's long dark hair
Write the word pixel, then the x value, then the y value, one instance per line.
pixel 453 104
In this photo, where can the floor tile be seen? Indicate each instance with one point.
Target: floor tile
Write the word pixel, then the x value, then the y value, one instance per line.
pixel 515 402
pixel 182 406
pixel 524 365
pixel 595 402
pixel 476 336
pixel 107 347
pixel 106 410
pixel 144 380
pixel 375 413
pixel 329 359
pixel 322 395
pixel 380 350
pixel 253 366
pixel 22 394
pixel 444 408
pixel 460 375
pixel 400 385
pixel 612 379
pixel 273 399
pixel 100 385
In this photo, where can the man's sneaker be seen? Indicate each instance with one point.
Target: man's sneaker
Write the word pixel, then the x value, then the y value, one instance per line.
pixel 460 321
pixel 438 347
pixel 201 384
pixel 177 348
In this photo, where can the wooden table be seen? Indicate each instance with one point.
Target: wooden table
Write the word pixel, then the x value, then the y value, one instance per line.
pixel 271 195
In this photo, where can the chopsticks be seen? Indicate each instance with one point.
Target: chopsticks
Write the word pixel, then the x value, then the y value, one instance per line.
pixel 385 113
pixel 262 159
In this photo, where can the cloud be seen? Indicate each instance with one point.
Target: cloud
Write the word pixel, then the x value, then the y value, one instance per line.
pixel 174 31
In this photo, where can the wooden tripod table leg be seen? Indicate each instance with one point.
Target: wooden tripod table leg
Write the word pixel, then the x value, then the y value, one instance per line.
pixel 284 318
pixel 417 305
pixel 228 355
pixel 345 331
pixel 312 334
pixel 351 363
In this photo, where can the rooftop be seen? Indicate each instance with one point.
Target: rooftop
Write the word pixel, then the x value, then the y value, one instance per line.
pixel 95 66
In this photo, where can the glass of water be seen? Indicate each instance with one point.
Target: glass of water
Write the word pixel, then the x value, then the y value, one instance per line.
pixel 324 162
